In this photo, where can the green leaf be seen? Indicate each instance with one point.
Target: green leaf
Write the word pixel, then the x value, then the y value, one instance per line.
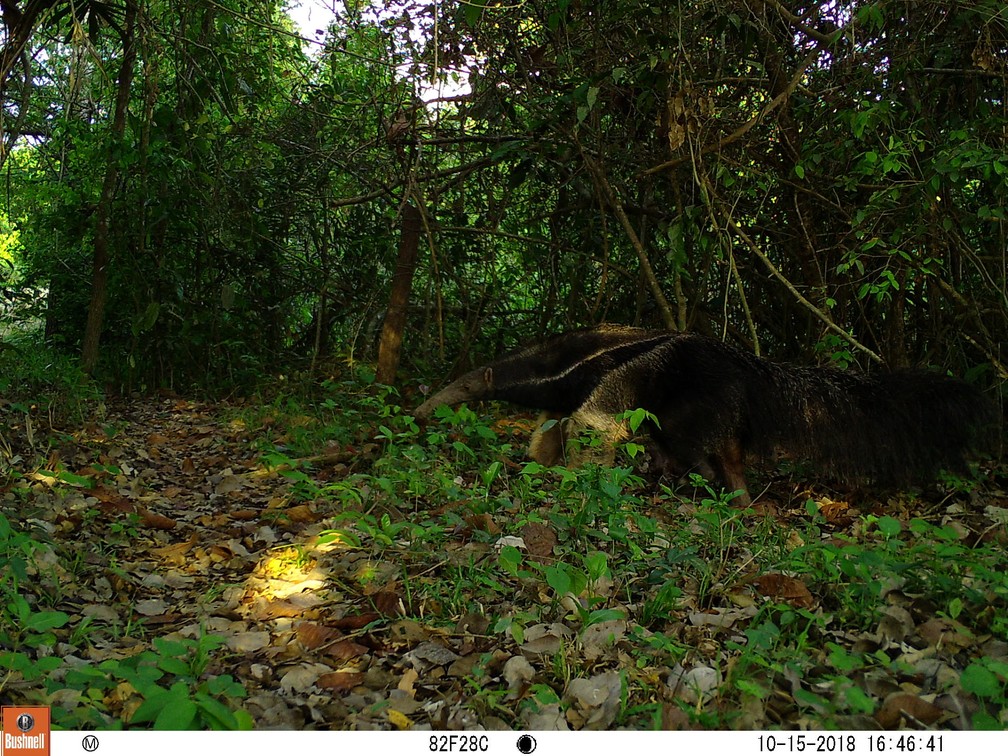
pixel 806 698
pixel 604 615
pixel 42 621
pixel 843 661
pixel 517 632
pixel 215 714
pixel 473 11
pixel 558 579
pixel 955 607
pixel 173 666
pixel 980 681
pixel 889 526
pixel 859 700
pixel 597 564
pixel 41 668
pixel 155 699
pixel 179 715
pixel 168 647
pixel 75 480
pixel 510 560
pixel 14 661
pixel 750 688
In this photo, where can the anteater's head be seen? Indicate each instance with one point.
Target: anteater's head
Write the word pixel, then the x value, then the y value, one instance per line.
pixel 476 384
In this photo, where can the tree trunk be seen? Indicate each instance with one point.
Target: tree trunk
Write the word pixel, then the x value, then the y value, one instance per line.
pixel 402 280
pixel 99 275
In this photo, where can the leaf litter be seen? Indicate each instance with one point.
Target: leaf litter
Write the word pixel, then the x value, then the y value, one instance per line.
pixel 177 529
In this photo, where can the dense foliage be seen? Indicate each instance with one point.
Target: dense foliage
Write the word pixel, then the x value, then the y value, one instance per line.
pixel 806 178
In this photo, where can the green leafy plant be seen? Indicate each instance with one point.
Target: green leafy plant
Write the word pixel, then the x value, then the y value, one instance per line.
pixel 172 685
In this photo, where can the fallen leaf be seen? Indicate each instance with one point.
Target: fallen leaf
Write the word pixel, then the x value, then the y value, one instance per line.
pixel 340 681
pixel 303 676
pixel 595 701
pixel 150 607
pixel 400 720
pixel 694 685
pixel 433 654
pixel 250 641
pixel 484 522
pixel 409 677
pixel 312 635
pixel 898 704
pixel 546 639
pixel 539 539
pixel 602 635
pixel 517 672
pixel 346 649
pixel 787 589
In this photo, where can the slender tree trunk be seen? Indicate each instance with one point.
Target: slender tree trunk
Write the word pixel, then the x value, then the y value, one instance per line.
pixel 402 281
pixel 99 275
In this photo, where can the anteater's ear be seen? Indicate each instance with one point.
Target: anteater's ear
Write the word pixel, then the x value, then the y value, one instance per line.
pixel 488 377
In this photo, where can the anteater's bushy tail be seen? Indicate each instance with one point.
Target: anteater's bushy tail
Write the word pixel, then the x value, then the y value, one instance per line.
pixel 894 428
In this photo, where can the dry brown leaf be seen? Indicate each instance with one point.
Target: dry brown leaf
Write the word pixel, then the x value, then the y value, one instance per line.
pixel 898 704
pixel 433 654
pixel 388 603
pixel 518 672
pixel 945 633
pixel 546 639
pixel 340 681
pixel 267 610
pixel 253 640
pixel 311 635
pixel 355 621
pixel 346 649
pixel 483 522
pixel 302 677
pixel 595 702
pixel 696 684
pixel 406 682
pixel 302 514
pixel 674 718
pixel 150 519
pixel 539 539
pixel 150 607
pixel 175 553
pixel 597 638
pixel 833 510
pixel 787 589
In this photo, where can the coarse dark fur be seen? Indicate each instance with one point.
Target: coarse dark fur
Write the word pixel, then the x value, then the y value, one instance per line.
pixel 717 405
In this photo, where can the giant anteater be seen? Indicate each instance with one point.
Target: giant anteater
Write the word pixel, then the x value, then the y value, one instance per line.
pixel 717 405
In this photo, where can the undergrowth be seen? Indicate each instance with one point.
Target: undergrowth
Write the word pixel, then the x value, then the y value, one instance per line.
pixel 792 618
pixel 666 561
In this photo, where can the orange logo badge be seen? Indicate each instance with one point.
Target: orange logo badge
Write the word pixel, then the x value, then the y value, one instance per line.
pixel 25 731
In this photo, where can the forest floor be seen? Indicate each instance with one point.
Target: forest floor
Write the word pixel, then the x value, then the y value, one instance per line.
pixel 180 563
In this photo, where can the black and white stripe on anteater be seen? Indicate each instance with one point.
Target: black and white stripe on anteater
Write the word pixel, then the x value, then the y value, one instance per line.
pixel 555 376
